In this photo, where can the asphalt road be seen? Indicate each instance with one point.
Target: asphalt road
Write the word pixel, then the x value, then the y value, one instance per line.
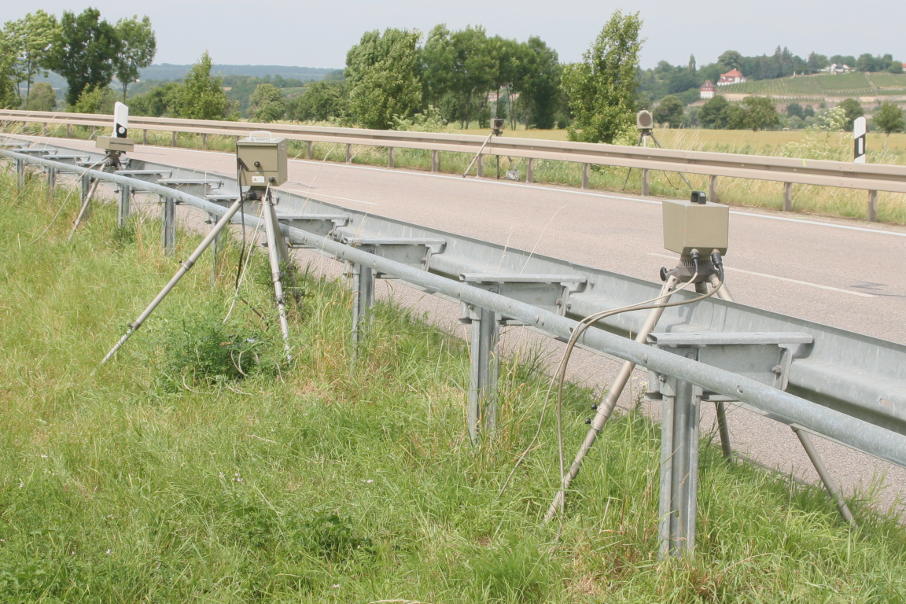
pixel 843 273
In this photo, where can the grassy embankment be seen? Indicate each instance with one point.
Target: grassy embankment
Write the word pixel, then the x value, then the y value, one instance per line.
pixel 198 466
pixel 853 85
pixel 891 207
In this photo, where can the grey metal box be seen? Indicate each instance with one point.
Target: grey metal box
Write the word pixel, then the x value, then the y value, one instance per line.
pixel 688 225
pixel 262 161
pixel 114 143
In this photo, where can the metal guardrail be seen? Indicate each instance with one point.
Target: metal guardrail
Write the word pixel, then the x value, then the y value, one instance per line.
pixel 846 387
pixel 867 177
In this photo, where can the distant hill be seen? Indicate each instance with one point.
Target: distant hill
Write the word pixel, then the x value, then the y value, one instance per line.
pixel 167 71
pixel 820 86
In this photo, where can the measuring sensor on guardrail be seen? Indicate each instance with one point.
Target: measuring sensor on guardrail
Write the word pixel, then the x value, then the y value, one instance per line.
pixel 262 160
pixel 119 142
pixel 698 230
pixel 695 224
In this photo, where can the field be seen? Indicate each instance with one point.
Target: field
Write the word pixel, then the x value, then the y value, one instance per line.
pixel 853 84
pixel 200 465
pixel 891 207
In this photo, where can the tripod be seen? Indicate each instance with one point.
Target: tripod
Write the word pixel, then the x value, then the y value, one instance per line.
pixel 644 135
pixel 273 234
pixel 708 274
pixel 111 163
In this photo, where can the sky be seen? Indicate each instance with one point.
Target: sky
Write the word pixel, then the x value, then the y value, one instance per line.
pixel 318 33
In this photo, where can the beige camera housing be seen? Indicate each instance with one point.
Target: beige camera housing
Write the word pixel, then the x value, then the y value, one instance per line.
pixel 689 225
pixel 262 160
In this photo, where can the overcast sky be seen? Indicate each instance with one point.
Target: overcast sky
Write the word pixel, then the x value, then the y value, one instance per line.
pixel 318 33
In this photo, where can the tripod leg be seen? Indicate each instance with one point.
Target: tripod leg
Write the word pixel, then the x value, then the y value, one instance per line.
pixel 270 227
pixel 720 408
pixel 186 266
pixel 681 175
pixel 477 155
pixel 606 407
pixel 83 209
pixel 829 483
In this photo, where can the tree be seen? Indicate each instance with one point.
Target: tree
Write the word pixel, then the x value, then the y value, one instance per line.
pixel 852 109
pixel 538 83
pixel 137 49
pixel 669 111
pixel 33 37
pixel 759 113
pixel 267 103
pixel 816 62
pixel 95 99
pixel 201 96
pixel 84 52
pixel 731 59
pixel 319 101
pixel 889 118
pixel 601 90
pixel 8 95
pixel 714 113
pixel 41 97
pixel 795 110
pixel 160 100
pixel 382 72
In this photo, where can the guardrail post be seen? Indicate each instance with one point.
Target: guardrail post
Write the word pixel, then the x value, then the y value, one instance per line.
pixel 391 161
pixel 51 182
pixel 479 166
pixel 122 210
pixel 204 140
pixel 435 161
pixel 873 206
pixel 679 468
pixel 20 173
pixel 173 138
pixel 584 176
pixel 362 300
pixel 787 197
pixel 348 153
pixel 529 172
pixel 646 185
pixel 308 146
pixel 712 188
pixel 168 233
pixel 68 130
pixel 86 186
pixel 216 248
pixel 145 136
pixel 482 404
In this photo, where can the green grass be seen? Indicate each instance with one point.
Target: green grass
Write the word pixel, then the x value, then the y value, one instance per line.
pixel 853 84
pixel 170 476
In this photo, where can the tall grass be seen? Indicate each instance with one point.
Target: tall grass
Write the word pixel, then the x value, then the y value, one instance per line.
pixel 828 201
pixel 178 472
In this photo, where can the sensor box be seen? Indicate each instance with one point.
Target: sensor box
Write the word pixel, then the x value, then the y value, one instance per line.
pixel 262 160
pixel 692 225
pixel 114 143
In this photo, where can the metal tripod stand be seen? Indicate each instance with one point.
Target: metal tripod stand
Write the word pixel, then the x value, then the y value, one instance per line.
pixel 111 163
pixel 644 135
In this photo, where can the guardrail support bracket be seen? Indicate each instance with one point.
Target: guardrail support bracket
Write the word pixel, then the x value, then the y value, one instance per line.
pixel 122 210
pixel 168 231
pixel 481 411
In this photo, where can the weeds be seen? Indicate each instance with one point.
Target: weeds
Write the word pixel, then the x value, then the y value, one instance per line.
pixel 339 482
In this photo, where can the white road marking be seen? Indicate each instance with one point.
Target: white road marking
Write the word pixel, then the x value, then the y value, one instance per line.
pixel 523 185
pixel 778 278
pixel 743 213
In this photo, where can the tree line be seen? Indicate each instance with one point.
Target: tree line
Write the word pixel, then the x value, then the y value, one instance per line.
pixel 85 49
pixel 402 79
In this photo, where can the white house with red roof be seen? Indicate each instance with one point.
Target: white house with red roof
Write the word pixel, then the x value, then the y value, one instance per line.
pixel 707 90
pixel 734 76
